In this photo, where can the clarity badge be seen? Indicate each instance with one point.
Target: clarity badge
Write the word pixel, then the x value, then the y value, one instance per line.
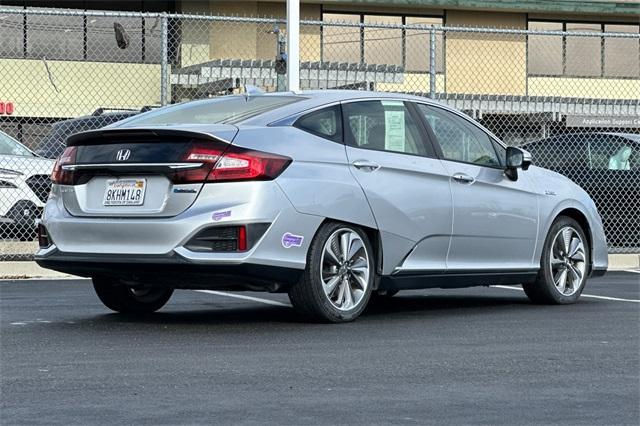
pixel 290 240
pixel 221 215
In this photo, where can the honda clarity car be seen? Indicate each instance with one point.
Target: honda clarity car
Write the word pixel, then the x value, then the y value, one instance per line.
pixel 24 188
pixel 330 196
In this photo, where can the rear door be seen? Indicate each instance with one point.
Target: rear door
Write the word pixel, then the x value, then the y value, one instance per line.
pixel 406 187
pixel 140 172
pixel 495 219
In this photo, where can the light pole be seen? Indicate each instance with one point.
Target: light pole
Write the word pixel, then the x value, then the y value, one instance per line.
pixel 293 45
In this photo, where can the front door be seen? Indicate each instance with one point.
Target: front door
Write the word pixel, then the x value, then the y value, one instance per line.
pixel 495 219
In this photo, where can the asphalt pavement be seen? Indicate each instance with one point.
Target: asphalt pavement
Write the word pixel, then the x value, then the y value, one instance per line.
pixel 469 356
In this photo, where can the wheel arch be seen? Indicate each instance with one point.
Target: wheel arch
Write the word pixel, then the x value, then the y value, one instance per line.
pixel 374 238
pixel 582 220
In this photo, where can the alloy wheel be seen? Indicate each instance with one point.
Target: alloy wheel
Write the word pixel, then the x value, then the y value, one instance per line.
pixel 345 269
pixel 568 262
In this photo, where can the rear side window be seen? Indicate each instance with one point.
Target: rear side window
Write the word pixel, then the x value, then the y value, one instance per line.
pixel 385 125
pixel 226 109
pixel 325 123
pixel 609 152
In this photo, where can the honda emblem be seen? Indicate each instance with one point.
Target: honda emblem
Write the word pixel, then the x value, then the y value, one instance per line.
pixel 123 154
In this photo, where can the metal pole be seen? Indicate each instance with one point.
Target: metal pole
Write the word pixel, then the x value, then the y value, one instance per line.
pixel 164 60
pixel 432 63
pixel 293 45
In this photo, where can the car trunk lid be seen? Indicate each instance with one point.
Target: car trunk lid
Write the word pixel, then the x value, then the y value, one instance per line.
pixel 140 172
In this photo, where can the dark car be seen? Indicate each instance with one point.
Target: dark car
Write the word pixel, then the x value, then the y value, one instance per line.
pixel 54 143
pixel 607 166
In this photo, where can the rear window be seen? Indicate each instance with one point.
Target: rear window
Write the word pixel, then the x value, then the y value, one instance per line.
pixel 227 109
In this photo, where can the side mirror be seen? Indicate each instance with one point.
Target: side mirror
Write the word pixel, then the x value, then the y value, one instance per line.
pixel 516 158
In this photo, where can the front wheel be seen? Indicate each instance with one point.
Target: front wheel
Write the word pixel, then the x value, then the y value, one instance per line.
pixel 563 267
pixel 338 279
pixel 128 300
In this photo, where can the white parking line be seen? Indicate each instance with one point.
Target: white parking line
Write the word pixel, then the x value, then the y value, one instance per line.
pixel 591 296
pixel 632 270
pixel 242 296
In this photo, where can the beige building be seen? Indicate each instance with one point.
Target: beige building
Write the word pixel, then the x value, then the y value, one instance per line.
pixel 64 66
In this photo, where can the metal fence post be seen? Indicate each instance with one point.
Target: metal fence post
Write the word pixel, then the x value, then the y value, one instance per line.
pixel 164 60
pixel 432 62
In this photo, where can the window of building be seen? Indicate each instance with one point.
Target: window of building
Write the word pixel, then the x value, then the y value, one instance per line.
pixel 60 37
pixel 545 52
pixel 341 44
pixel 418 43
pixel 583 56
pixel 619 60
pixel 381 46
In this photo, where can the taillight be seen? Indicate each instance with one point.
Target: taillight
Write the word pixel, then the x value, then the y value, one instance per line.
pixel 242 164
pixel 221 162
pixel 59 175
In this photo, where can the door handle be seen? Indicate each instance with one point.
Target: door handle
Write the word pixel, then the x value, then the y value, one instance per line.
pixel 367 166
pixel 462 178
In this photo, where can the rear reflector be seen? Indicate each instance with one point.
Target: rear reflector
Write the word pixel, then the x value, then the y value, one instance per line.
pixel 43 237
pixel 235 238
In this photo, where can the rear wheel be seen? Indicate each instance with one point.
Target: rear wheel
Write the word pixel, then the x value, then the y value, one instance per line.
pixel 121 298
pixel 563 267
pixel 337 282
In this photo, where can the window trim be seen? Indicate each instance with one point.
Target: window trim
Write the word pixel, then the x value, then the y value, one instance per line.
pixel 422 133
pixel 438 148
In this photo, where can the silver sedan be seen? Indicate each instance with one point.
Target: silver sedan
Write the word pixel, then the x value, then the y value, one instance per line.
pixel 334 197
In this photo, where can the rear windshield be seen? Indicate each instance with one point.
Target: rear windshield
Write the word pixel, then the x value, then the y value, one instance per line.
pixel 227 109
pixel 10 146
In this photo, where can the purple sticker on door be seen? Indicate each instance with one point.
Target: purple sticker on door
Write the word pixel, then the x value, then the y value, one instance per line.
pixel 220 215
pixel 290 240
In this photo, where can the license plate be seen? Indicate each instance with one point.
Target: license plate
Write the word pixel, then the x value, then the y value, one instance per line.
pixel 124 192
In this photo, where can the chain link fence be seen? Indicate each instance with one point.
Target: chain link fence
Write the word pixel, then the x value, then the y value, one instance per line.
pixel 569 97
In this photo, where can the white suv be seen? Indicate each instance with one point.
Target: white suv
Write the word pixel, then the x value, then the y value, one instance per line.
pixel 24 188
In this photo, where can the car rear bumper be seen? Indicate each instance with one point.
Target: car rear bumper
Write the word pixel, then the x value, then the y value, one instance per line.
pixel 243 204
pixel 170 271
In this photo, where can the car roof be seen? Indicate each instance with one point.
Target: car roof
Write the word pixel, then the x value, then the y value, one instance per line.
pixel 629 136
pixel 311 99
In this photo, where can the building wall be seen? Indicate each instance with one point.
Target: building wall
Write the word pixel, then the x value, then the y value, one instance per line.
pixel 78 88
pixel 501 59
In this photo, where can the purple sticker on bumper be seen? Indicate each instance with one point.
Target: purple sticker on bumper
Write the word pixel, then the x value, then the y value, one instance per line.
pixel 220 215
pixel 290 240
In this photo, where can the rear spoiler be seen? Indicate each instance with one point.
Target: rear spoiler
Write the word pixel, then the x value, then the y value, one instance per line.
pixel 218 132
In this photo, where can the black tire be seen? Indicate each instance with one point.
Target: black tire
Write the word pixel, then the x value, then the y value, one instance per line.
pixel 543 290
pixel 308 297
pixel 121 298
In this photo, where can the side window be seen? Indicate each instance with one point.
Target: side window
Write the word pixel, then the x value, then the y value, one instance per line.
pixel 325 123
pixel 459 139
pixel 609 152
pixel 382 126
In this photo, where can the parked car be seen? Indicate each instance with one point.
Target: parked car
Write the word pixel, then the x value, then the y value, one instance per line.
pixel 607 166
pixel 24 188
pixel 330 196
pixel 52 145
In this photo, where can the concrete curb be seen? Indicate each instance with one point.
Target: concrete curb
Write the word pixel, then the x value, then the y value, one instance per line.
pixel 27 269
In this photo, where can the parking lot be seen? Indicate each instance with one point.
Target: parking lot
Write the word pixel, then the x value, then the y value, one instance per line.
pixel 481 356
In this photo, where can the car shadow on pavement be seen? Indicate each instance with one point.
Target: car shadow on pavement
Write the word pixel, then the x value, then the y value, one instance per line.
pixel 393 308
